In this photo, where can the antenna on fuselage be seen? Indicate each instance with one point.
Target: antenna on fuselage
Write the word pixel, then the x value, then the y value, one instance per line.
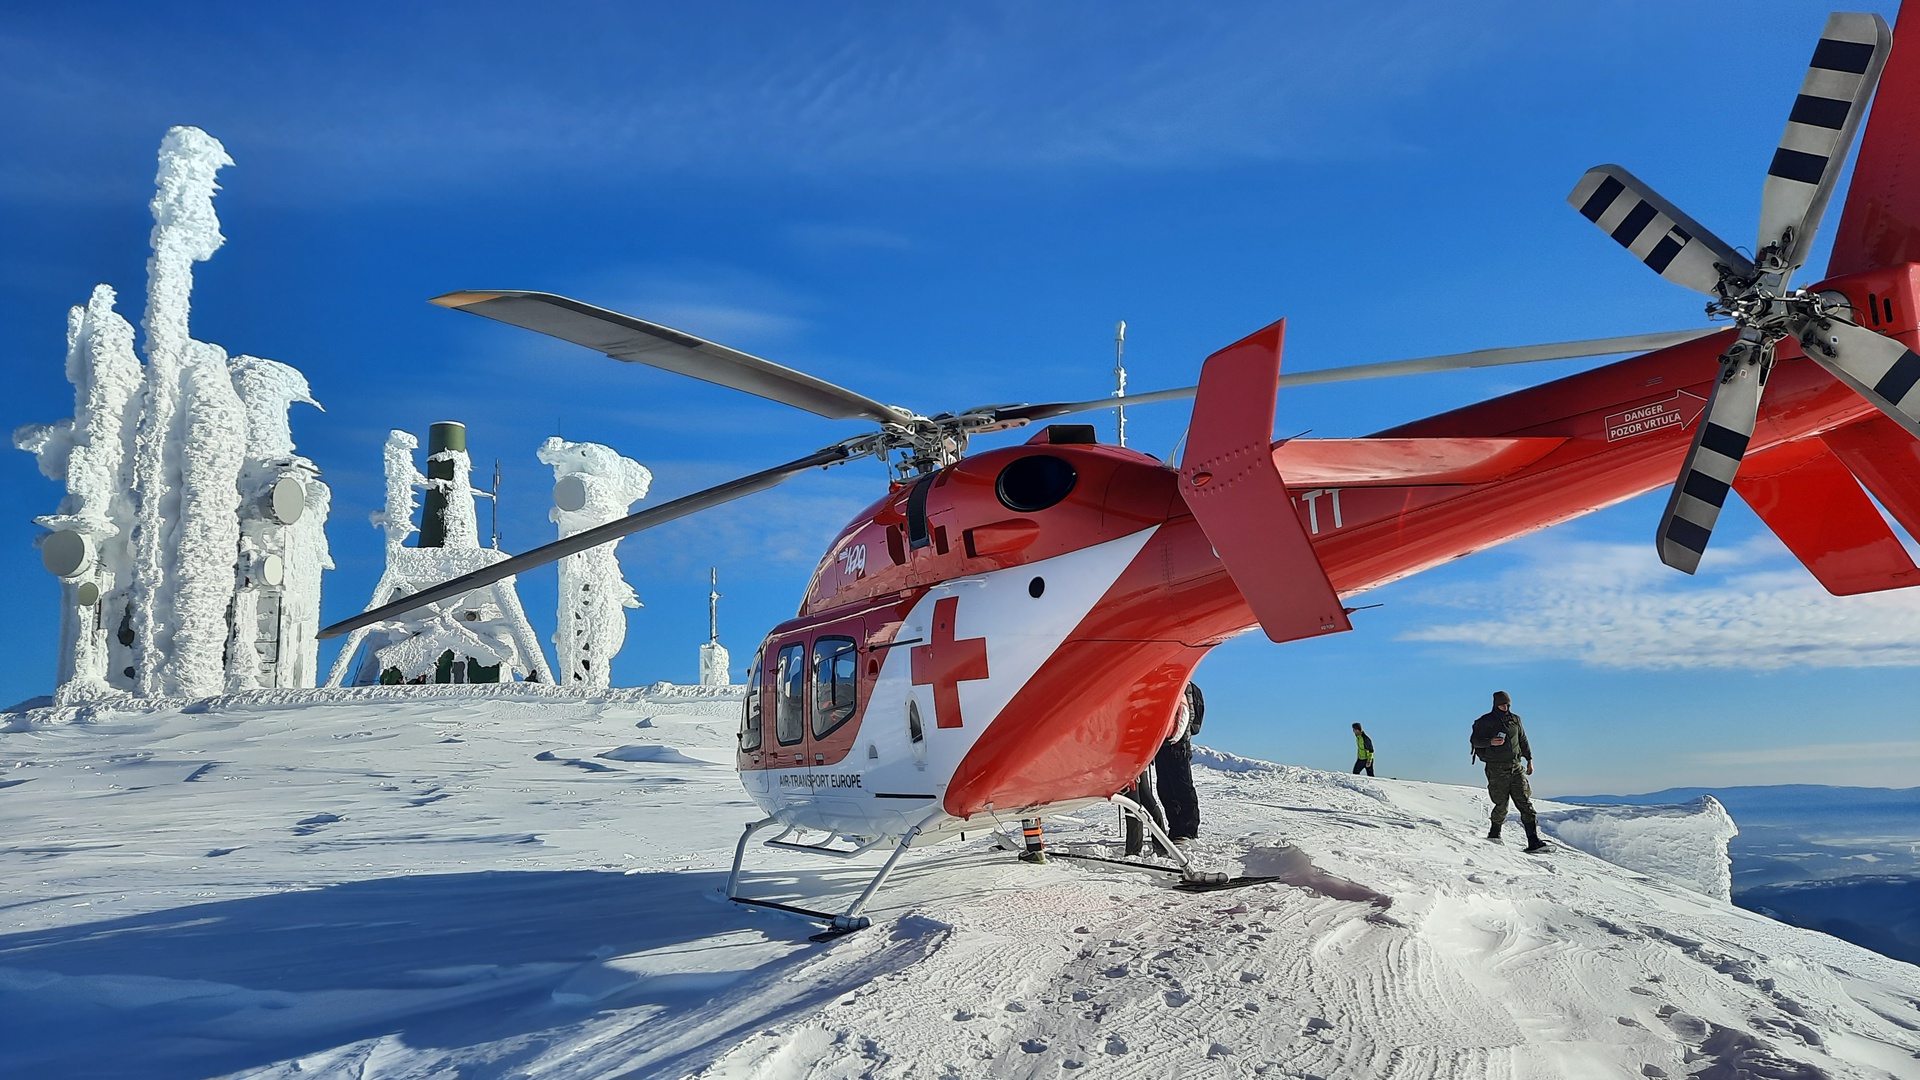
pixel 1120 376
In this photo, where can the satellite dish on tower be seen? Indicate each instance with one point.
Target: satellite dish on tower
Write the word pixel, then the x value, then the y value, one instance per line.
pixel 66 554
pixel 570 493
pixel 286 500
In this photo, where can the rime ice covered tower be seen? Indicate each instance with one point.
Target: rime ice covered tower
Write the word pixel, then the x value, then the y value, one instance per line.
pixel 482 636
pixel 177 579
pixel 716 667
pixel 593 485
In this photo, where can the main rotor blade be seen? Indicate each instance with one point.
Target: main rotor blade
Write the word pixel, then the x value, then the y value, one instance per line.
pixel 1879 368
pixel 1833 97
pixel 1514 354
pixel 1714 458
pixel 638 341
pixel 1672 244
pixel 613 530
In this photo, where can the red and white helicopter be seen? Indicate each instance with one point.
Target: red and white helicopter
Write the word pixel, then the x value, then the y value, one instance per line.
pixel 1006 634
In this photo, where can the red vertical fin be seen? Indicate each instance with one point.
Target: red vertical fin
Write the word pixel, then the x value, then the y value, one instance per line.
pixel 1880 225
pixel 1811 502
pixel 1887 460
pixel 1234 489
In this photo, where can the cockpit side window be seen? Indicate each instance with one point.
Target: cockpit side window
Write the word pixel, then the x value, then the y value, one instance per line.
pixel 750 731
pixel 790 694
pixel 836 669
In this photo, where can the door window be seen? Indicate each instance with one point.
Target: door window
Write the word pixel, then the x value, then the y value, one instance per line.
pixel 836 669
pixel 790 695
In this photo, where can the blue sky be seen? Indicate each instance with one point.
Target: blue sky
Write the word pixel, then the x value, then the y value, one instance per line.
pixel 951 205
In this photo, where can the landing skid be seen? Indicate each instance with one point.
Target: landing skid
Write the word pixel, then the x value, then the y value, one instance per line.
pixel 836 925
pixel 1191 878
pixel 1197 883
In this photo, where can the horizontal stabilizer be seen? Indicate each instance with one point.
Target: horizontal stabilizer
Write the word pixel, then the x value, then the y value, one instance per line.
pixel 1230 482
pixel 1406 462
pixel 1810 500
pixel 1886 459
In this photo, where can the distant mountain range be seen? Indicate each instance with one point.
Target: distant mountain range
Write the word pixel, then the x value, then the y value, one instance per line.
pixel 1842 860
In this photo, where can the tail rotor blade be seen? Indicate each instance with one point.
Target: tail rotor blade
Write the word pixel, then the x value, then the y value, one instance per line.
pixel 613 530
pixel 1714 458
pixel 1833 97
pixel 1879 368
pixel 1655 231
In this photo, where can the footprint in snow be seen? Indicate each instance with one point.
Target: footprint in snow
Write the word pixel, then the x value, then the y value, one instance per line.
pixel 1116 1045
pixel 590 766
pixel 1034 1046
pixel 1177 998
pixel 309 826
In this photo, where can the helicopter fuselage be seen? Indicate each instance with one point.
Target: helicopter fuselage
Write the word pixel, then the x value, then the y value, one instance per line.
pixel 1014 631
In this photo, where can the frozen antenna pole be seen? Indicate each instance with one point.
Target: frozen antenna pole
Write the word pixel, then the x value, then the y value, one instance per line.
pixel 715 665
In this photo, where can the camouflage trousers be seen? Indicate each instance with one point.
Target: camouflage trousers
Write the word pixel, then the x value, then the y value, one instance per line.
pixel 1506 782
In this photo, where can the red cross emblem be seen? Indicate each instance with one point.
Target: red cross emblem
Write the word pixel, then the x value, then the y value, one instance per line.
pixel 946 663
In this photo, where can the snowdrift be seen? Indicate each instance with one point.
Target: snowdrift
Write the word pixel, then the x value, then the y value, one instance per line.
pixel 513 881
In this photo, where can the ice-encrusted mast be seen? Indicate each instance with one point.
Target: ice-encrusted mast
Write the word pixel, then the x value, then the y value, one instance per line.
pixel 716 667
pixel 593 485
pixel 177 578
pixel 483 636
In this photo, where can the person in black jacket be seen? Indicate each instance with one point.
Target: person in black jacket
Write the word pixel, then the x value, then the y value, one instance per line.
pixel 1165 790
pixel 1173 769
pixel 1500 741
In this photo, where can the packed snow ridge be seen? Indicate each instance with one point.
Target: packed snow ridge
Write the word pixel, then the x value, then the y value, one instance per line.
pixel 513 881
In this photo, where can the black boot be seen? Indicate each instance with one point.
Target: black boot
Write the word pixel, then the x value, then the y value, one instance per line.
pixel 1534 843
pixel 1494 833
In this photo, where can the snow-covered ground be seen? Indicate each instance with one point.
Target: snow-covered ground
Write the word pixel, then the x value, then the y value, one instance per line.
pixel 503 882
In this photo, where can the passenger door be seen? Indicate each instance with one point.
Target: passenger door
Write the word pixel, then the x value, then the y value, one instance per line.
pixel 787 680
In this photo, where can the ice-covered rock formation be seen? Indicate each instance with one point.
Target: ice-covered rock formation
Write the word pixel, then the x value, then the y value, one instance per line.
pixel 593 485
pixel 483 635
pixel 174 574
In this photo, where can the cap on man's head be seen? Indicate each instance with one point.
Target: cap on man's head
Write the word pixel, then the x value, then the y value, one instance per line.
pixel 1356 725
pixel 1500 698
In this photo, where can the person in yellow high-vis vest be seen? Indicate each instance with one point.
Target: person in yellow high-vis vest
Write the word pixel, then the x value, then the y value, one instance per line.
pixel 1363 745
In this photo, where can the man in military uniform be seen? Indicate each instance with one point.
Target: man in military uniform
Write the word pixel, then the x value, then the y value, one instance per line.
pixel 1500 742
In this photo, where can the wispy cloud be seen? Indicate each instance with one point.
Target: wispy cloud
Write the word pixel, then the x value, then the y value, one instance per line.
pixel 1614 606
pixel 357 103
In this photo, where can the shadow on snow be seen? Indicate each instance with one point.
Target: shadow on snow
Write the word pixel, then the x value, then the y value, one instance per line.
pixel 439 960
